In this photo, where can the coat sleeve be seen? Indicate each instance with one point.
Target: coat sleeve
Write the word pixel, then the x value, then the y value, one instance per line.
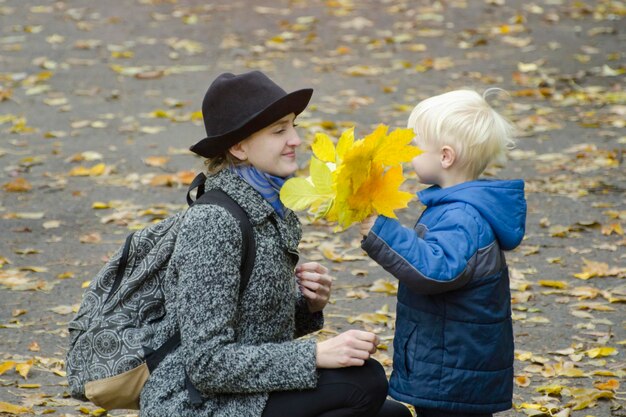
pixel 306 322
pixel 208 254
pixel 443 259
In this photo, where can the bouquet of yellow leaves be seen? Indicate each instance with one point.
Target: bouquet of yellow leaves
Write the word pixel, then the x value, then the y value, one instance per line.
pixel 356 178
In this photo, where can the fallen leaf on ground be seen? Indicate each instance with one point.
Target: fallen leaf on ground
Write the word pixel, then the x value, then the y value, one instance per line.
pixel 18 185
pixel 13 409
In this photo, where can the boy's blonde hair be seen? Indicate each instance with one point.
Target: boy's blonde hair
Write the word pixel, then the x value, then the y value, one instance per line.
pixel 463 120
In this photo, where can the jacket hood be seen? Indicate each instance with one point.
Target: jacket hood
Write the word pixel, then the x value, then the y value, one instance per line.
pixel 500 202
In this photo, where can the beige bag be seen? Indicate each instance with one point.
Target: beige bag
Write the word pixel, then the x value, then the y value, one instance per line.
pixel 119 391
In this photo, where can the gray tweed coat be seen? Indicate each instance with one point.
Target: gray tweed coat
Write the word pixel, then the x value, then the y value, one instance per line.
pixel 234 355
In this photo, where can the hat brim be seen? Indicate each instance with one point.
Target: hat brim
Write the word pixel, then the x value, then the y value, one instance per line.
pixel 294 102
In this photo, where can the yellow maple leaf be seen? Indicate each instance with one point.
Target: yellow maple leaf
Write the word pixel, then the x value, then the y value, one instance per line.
pixel 371 318
pixel 552 284
pixel 396 148
pixel 323 148
pixel 609 229
pixel 354 179
pixel 321 177
pixel 568 369
pixel 5 366
pixel 522 381
pixel 388 197
pixel 586 398
pixel 94 171
pixel 384 286
pixel 13 409
pixel 346 140
pixel 360 200
pixel 29 386
pixel 550 389
pixel 315 191
pixel 156 161
pixel 379 193
pixel 355 167
pixel 593 269
pixel 185 177
pixel 23 368
pixel 600 352
pixel 611 384
pixel 18 185
pixel 19 126
pixel 298 193
pixel 161 114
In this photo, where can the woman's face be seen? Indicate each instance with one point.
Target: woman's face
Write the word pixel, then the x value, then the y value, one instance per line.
pixel 272 149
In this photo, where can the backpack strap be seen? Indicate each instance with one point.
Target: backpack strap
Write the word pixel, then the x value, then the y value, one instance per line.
pixel 222 199
pixel 198 183
pixel 218 197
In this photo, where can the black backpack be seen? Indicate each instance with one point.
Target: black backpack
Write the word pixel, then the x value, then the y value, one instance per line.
pixel 111 353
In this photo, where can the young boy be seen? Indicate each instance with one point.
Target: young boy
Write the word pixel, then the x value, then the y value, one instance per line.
pixel 453 347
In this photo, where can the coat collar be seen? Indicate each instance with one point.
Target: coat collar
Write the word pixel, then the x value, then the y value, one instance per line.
pixel 256 207
pixel 253 203
pixel 239 190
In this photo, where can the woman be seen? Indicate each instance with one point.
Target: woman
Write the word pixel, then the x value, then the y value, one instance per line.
pixel 241 353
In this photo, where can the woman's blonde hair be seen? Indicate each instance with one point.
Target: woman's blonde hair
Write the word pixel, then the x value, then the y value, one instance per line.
pixel 463 120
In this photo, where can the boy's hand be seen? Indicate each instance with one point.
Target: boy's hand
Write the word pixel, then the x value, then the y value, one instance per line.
pixel 367 224
pixel 315 284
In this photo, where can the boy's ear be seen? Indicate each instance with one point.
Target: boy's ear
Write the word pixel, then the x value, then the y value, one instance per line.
pixel 238 151
pixel 448 156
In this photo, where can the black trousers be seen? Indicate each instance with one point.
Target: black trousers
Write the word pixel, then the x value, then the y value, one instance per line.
pixel 358 391
pixel 428 412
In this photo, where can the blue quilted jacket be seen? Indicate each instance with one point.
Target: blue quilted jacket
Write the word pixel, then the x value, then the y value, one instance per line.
pixel 453 347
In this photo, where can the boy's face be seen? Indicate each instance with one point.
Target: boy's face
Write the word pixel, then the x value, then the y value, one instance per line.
pixel 427 165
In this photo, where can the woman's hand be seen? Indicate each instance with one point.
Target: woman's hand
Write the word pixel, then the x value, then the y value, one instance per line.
pixel 315 284
pixel 351 348
pixel 367 224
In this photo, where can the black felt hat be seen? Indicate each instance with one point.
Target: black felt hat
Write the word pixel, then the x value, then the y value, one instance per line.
pixel 236 106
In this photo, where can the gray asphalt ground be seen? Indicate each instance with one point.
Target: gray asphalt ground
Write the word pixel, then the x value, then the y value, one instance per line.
pixel 84 83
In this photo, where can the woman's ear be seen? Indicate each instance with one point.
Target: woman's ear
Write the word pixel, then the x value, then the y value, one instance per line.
pixel 448 156
pixel 238 151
